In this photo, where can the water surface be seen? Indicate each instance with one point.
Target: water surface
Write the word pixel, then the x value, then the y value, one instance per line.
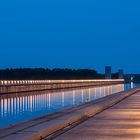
pixel 22 107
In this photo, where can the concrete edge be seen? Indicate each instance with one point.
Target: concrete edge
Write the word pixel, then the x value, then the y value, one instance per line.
pixel 53 87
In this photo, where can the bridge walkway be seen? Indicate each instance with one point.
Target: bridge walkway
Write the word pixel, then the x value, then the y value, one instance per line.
pixel 120 122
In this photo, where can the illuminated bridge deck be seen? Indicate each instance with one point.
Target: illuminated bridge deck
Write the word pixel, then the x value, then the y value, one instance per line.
pixel 120 122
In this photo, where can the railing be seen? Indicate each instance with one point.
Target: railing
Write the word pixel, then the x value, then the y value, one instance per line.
pixel 13 86
pixel 38 82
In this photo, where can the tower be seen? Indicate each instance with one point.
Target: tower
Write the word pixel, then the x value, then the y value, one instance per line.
pixel 121 74
pixel 108 72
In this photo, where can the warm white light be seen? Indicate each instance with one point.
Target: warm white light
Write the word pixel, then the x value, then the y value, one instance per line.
pixel 5 82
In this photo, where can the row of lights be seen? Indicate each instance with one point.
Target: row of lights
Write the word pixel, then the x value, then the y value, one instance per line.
pixel 19 82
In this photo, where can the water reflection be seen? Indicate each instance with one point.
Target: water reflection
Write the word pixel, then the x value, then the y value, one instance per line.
pixel 132 85
pixel 23 107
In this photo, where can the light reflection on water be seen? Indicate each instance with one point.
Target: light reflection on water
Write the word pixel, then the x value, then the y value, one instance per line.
pixel 17 107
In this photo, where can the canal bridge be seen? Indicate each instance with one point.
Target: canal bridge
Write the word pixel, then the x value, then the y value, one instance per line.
pixel 12 86
pixel 109 115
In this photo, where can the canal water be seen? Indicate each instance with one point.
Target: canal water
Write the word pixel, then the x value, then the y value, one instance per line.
pixel 24 106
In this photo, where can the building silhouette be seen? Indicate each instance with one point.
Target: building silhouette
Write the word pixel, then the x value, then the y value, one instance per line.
pixel 107 72
pixel 121 74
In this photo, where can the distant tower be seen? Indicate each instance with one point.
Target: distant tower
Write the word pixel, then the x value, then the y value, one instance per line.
pixel 108 72
pixel 121 74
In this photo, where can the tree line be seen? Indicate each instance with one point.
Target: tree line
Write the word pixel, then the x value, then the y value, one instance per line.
pixel 45 73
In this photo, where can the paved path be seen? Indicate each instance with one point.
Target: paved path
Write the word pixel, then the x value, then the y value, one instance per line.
pixel 120 122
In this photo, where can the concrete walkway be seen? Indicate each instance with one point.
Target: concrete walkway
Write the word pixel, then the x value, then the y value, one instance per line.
pixel 120 122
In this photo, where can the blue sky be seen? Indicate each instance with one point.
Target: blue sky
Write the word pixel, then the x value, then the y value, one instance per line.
pixel 70 33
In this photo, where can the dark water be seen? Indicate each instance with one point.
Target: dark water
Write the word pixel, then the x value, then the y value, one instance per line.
pixel 22 107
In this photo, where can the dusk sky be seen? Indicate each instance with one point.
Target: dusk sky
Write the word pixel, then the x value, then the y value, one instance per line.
pixel 70 34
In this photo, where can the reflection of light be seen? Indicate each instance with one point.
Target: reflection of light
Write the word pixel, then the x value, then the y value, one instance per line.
pixel 89 94
pixel 63 99
pixel 82 96
pixel 5 106
pixel 104 91
pixel 111 89
pixel 100 91
pixel 31 102
pixel 49 100
pixel 95 93
pixel 1 106
pixel 132 85
pixel 73 97
pixel 16 106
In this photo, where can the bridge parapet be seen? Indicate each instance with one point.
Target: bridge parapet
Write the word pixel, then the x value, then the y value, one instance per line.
pixel 34 82
pixel 14 86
